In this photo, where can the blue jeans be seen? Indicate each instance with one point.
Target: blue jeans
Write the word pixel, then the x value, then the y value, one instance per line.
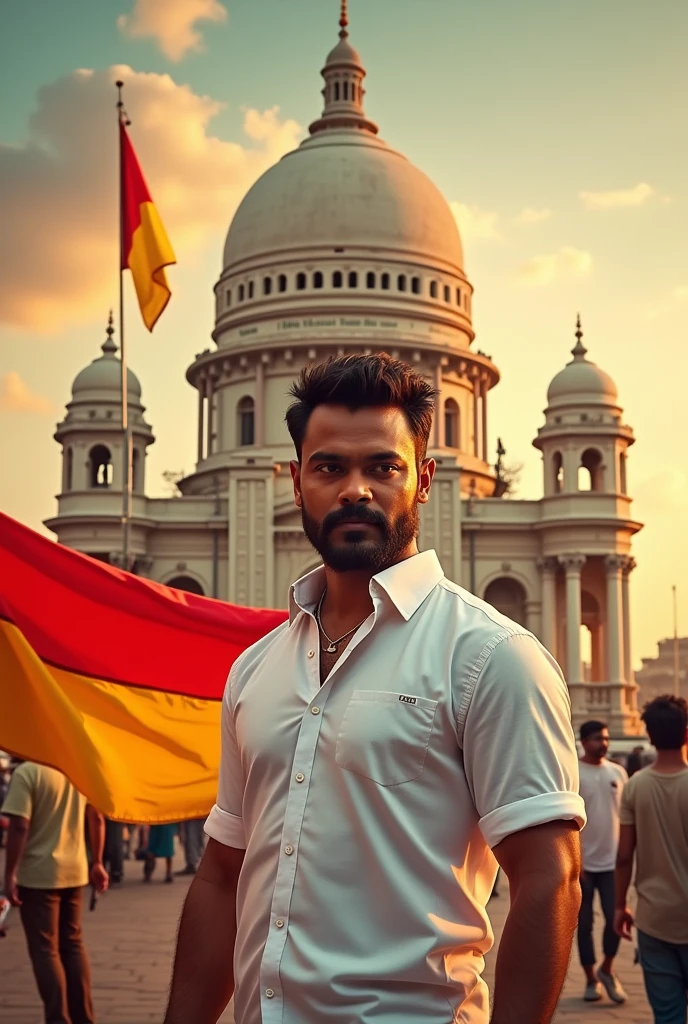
pixel 603 881
pixel 665 970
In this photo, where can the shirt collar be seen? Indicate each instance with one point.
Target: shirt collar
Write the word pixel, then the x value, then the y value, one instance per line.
pixel 406 584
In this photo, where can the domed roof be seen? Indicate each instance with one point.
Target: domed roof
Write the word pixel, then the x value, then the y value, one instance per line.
pixel 581 381
pixel 102 379
pixel 344 188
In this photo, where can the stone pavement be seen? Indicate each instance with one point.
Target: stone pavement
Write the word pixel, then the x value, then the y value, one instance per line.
pixel 130 939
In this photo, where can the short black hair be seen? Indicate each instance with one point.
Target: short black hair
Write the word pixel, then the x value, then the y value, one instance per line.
pixel 363 381
pixel 666 721
pixel 593 726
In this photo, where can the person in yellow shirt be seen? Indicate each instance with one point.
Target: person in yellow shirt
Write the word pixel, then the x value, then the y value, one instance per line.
pixel 46 868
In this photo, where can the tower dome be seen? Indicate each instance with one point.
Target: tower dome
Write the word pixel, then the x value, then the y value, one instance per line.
pixel 581 381
pixel 101 380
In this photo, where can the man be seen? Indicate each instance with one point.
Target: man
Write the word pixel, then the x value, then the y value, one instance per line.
pixel 193 839
pixel 634 762
pixel 45 870
pixel 654 827
pixel 601 785
pixel 375 747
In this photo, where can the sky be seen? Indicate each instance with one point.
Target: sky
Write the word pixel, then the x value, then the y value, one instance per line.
pixel 556 131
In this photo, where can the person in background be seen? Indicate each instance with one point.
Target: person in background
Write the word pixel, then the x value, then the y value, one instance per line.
pixel 193 840
pixel 654 830
pixel 46 868
pixel 160 844
pixel 5 776
pixel 635 761
pixel 601 785
pixel 114 850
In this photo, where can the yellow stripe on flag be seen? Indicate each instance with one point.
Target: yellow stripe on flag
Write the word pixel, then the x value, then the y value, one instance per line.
pixel 150 253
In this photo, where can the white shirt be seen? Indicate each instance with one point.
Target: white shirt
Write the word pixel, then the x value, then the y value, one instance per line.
pixel 367 807
pixel 601 787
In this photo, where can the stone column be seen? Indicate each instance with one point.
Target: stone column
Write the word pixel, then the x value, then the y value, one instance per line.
pixel 573 565
pixel 614 565
pixel 259 406
pixel 548 632
pixel 201 400
pixel 626 618
pixel 210 419
pixel 476 397
pixel 484 411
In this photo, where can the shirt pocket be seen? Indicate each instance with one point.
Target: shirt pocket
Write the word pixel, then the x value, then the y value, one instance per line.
pixel 384 736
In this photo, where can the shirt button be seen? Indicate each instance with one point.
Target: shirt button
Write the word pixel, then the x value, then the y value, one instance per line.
pixel 315 711
pixel 279 923
pixel 269 992
pixel 311 654
pixel 288 850
pixel 299 776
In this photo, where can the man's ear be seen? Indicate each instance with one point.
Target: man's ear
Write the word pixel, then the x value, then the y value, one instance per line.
pixel 295 469
pixel 425 475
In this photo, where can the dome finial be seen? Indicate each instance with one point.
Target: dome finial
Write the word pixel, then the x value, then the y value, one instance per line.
pixel 109 348
pixel 579 350
pixel 344 19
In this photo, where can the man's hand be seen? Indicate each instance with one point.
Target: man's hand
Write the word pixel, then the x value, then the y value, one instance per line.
pixel 623 922
pixel 98 877
pixel 11 891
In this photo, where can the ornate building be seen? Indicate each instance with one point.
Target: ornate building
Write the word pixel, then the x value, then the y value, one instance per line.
pixel 344 246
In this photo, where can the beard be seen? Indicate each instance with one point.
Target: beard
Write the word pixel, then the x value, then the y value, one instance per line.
pixel 356 552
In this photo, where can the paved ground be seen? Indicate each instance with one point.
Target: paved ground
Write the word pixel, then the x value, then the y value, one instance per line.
pixel 130 939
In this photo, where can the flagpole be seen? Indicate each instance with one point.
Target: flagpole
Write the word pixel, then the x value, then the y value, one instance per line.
pixel 677 685
pixel 127 481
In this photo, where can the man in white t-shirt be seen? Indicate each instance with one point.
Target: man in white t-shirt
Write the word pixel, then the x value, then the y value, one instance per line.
pixel 601 786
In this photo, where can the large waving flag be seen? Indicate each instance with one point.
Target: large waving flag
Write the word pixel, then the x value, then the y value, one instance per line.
pixel 146 249
pixel 115 680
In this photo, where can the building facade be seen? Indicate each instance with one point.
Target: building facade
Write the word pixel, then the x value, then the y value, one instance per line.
pixel 344 246
pixel 667 673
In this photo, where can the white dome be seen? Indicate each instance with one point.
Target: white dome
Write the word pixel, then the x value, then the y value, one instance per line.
pixel 344 188
pixel 102 379
pixel 581 381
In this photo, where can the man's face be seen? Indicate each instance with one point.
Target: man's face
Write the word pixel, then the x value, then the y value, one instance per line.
pixel 358 486
pixel 597 744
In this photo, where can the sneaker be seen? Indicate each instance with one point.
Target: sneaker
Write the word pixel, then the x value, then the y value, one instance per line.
pixel 613 987
pixel 188 870
pixel 593 992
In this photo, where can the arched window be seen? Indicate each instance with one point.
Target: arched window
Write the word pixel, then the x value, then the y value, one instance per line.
pixel 135 471
pixel 69 469
pixel 336 90
pixel 267 286
pixel 317 279
pixel 401 282
pixel 557 473
pixel 451 424
pixel 346 90
pixel 242 292
pixel 250 289
pixel 229 296
pixel 623 483
pixel 447 293
pixel 246 427
pixel 590 471
pixel 508 597
pixel 337 279
pixel 415 285
pixel 384 282
pixel 187 583
pixel 433 289
pixel 458 296
pixel 300 282
pixel 353 279
pixel 282 282
pixel 100 466
pixel 370 279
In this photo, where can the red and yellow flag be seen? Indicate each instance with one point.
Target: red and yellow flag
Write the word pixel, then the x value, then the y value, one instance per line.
pixel 146 249
pixel 115 680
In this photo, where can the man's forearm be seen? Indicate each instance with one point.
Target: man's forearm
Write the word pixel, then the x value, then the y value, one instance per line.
pixel 535 949
pixel 622 881
pixel 16 841
pixel 96 834
pixel 203 976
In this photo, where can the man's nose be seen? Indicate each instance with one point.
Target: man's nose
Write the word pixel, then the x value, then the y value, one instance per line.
pixel 355 489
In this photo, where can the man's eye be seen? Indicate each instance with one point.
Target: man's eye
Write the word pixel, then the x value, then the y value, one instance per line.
pixel 387 468
pixel 329 468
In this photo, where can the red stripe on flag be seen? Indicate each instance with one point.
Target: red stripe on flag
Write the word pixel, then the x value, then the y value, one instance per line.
pixel 134 192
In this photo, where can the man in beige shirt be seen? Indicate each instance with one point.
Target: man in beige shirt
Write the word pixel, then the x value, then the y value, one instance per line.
pixel 45 870
pixel 654 827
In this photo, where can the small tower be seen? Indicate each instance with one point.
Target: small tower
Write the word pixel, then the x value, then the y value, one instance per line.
pixel 93 458
pixel 586 529
pixel 343 92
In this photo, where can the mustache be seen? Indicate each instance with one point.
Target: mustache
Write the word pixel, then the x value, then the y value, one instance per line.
pixel 354 514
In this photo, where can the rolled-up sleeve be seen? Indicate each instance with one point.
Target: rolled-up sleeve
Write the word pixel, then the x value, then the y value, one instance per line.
pixel 519 749
pixel 224 822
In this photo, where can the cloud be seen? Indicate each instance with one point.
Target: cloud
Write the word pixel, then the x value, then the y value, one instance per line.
pixel 58 191
pixel 171 23
pixel 564 263
pixel 474 223
pixel 614 199
pixel 16 396
pixel 529 215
